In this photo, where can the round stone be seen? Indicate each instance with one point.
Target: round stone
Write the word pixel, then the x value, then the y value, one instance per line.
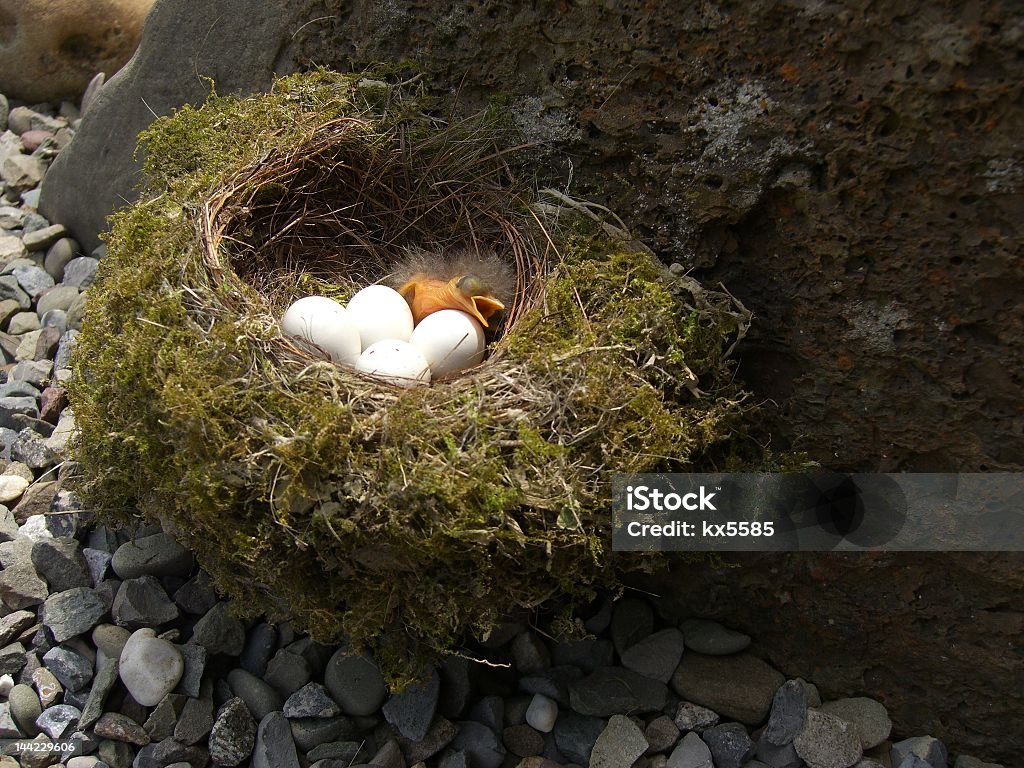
pixel 710 637
pixel 355 683
pixel 150 667
pixel 25 708
pixel 542 713
pixel 11 488
pixel 868 717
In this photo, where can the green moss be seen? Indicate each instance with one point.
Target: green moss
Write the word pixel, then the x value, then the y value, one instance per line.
pixel 403 518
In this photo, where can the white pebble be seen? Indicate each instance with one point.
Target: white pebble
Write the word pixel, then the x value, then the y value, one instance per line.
pixel 6 683
pixel 35 528
pixel 11 487
pixel 150 667
pixel 83 761
pixel 542 713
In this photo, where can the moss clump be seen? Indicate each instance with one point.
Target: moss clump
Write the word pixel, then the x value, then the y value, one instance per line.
pixel 402 518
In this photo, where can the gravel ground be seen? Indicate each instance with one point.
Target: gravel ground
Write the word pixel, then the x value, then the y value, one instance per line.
pixel 116 651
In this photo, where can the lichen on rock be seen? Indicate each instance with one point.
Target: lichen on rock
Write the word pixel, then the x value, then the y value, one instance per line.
pixel 401 518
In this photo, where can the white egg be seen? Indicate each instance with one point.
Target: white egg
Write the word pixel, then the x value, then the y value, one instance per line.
pixel 380 313
pixel 327 324
pixel 450 340
pixel 396 361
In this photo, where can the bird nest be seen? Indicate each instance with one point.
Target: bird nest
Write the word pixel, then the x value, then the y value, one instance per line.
pixel 401 518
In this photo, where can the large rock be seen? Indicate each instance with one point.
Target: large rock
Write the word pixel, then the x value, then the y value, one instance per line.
pixel 236 44
pixel 725 137
pixel 51 50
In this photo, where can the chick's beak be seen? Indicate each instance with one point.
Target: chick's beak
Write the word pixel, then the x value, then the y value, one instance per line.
pixel 427 295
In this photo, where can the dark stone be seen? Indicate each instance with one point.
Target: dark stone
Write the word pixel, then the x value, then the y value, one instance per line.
pixel 194 657
pixel 614 691
pixel 480 744
pixel 155 555
pixel 346 751
pixel 441 733
pixel 311 700
pixel 275 747
pixel 287 672
pixel 259 645
pixel 620 744
pixel 489 711
pixel 927 748
pixel 553 683
pixel 72 612
pixel 575 735
pixel 310 732
pixel 729 744
pixel 388 756
pixel 71 668
pixel 170 751
pixel 632 620
pixel 655 656
pixel 102 683
pixel 197 716
pixel 740 686
pixel 411 711
pixel 196 596
pixel 142 602
pixel 355 683
pixel 789 708
pixel 522 740
pixel 219 632
pixel 456 687
pixel 259 697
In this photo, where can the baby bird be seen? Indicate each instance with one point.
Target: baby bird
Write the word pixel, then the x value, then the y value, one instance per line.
pixel 478 285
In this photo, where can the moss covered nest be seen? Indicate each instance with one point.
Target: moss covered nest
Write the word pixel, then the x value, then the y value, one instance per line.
pixel 400 518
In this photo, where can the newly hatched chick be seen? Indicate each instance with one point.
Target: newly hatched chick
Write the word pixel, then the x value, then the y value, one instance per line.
pixel 479 285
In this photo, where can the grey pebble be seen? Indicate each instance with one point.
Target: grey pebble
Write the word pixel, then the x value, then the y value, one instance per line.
pixel 310 732
pixel 412 710
pixel 58 720
pixel 311 700
pixel 233 735
pixel 347 751
pixel 98 563
pixel 355 683
pixel 23 322
pixel 480 744
pixel 61 563
pixel 72 612
pixel 161 721
pixel 102 684
pixel 274 746
pixel 530 653
pixel 142 602
pixel 25 708
pixel 825 741
pixel 197 716
pixel 789 709
pixel 868 717
pixel 575 735
pixel 195 657
pixel 691 752
pixel 196 596
pixel 929 749
pixel 710 637
pixel 620 744
pixel 59 297
pixel 616 690
pixel 33 280
pixel 155 555
pixel 287 672
pixel 59 254
pixel 553 682
pixel 31 449
pixel 489 711
pixel 259 697
pixel 44 237
pixel 169 751
pixel 388 756
pixel 218 631
pixel 71 668
pixel 730 745
pixel 656 656
pixel 80 272
pixel 259 645
pixel 661 734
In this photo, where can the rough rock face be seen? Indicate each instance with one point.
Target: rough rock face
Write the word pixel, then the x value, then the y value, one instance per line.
pixel 850 171
pixel 50 50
